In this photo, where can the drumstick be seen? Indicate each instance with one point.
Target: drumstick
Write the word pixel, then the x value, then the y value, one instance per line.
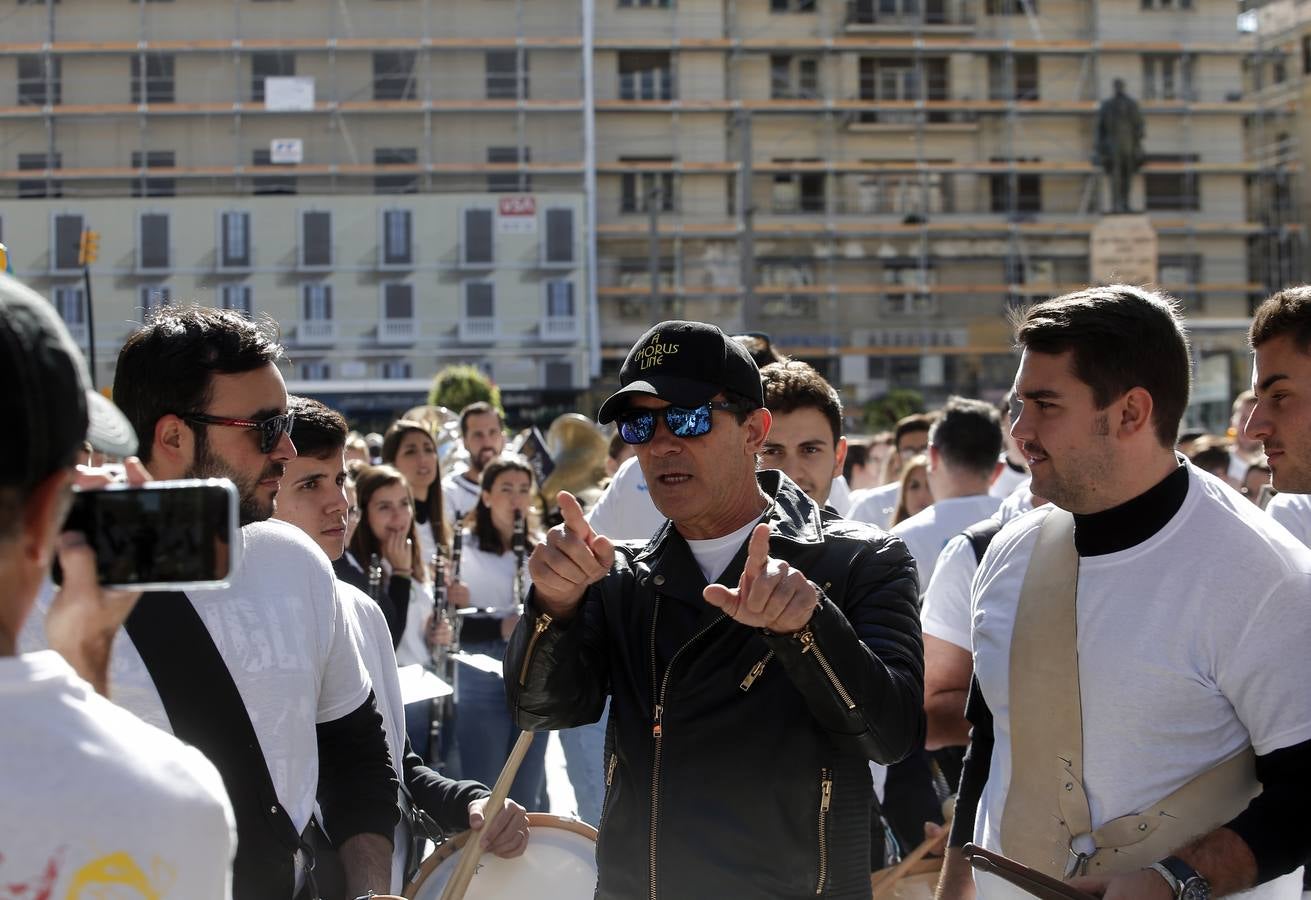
pixel 886 887
pixel 473 848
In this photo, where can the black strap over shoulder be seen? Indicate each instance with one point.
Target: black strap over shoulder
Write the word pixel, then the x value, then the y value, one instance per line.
pixel 981 535
pixel 205 710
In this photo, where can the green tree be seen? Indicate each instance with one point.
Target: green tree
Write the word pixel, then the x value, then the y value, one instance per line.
pixel 455 387
pixel 882 413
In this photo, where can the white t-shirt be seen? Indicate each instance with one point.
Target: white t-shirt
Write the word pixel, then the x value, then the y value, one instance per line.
pixel 1007 480
pixel 490 577
pixel 413 647
pixel 1293 511
pixel 98 803
pixel 280 629
pixel 839 496
pixel 875 505
pixel 459 494
pixel 714 555
pixel 368 627
pixel 625 511
pixel 929 530
pixel 1191 645
pixel 946 610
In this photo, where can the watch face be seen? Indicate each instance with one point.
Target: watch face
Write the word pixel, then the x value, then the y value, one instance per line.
pixel 1195 889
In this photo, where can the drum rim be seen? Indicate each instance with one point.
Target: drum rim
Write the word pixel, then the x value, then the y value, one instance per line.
pixel 449 848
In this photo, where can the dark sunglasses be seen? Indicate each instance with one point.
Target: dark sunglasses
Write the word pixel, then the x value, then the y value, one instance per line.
pixel 271 429
pixel 637 426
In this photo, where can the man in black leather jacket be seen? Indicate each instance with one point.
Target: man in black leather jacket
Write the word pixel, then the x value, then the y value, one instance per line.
pixel 744 711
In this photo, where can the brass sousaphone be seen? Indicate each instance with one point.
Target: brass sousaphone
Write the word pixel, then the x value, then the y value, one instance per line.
pixel 578 450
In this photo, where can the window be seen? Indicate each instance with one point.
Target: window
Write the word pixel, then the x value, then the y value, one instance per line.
pixel 393 75
pixel 269 64
pixel 639 189
pixel 505 79
pixel 787 6
pixel 914 278
pixel 559 237
pixel 315 239
pixel 645 76
pixel 315 371
pixel 558 375
pixel 39 162
pixel 396 369
pixel 234 240
pixel 793 77
pixel 662 4
pixel 1010 7
pixel 316 301
pixel 32 87
pixel 396 184
pixel 154 187
pixel 235 297
pixel 899 78
pixel 1167 77
pixel 906 194
pixel 66 241
pixel 1013 77
pixel 153 297
pixel 155 85
pixel 476 243
pixel 799 191
pixel 71 306
pixel 152 242
pixel 1167 4
pixel 398 300
pixel 397 238
pixel 1015 192
pixel 1177 190
pixel 479 300
pixel 560 299
pixel 503 182
pixel 270 184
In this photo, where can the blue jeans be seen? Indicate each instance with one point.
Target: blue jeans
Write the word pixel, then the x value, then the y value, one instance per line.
pixel 584 756
pixel 486 733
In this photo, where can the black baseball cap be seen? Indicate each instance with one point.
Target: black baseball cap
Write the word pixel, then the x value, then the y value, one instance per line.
pixel 686 363
pixel 47 404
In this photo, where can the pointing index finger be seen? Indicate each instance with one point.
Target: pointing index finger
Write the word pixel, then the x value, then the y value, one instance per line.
pixel 757 551
pixel 572 513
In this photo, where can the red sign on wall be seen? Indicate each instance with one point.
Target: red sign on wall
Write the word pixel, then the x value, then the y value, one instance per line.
pixel 519 205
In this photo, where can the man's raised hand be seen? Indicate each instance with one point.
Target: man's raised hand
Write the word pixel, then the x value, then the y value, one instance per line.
pixel 572 557
pixel 770 594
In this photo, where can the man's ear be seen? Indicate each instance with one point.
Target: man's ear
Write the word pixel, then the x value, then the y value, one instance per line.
pixel 1135 413
pixel 174 447
pixel 840 457
pixel 996 472
pixel 935 459
pixel 757 425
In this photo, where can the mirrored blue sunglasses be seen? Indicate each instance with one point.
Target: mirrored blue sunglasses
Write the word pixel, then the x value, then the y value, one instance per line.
pixel 637 426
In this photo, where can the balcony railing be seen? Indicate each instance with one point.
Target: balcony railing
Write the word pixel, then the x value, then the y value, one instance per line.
pixel 558 328
pixel 477 330
pixel 316 332
pixel 397 331
pixel 907 13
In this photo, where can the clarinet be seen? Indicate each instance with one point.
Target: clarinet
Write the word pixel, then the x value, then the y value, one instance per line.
pixel 375 578
pixel 520 547
pixel 457 554
pixel 440 608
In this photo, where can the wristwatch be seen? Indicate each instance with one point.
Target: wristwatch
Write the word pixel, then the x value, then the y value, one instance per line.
pixel 1185 882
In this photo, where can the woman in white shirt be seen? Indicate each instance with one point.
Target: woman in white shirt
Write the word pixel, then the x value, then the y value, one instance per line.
pixel 410 447
pixel 484 729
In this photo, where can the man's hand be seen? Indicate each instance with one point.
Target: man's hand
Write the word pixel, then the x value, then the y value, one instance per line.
pixel 572 557
pixel 1143 884
pixel 507 835
pixel 84 617
pixel 770 594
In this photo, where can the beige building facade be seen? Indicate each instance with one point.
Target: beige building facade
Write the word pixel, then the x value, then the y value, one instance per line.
pixel 874 183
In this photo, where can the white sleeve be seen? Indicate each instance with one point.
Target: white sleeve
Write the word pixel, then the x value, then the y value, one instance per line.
pixel 607 515
pixel 1264 673
pixel 1293 516
pixel 946 611
pixel 344 681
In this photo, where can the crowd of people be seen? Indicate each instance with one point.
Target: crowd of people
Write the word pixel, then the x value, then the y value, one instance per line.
pixel 773 653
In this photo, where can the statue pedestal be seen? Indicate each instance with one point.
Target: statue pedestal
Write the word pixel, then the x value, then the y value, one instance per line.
pixel 1123 250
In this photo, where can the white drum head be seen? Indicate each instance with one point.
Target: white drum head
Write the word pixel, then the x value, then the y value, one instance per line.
pixel 559 864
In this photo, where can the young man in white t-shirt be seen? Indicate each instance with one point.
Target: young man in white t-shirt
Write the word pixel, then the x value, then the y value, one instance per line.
pixel 1190 623
pixel 805 440
pixel 964 444
pixel 204 387
pixel 482 431
pixel 94 799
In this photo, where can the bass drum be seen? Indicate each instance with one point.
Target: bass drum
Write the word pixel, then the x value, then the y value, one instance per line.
pixel 559 864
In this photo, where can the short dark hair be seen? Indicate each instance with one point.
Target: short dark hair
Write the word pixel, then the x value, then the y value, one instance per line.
pixel 318 431
pixel 1287 312
pixel 489 539
pixel 166 367
pixel 911 424
pixel 480 408
pixel 1211 454
pixel 1121 337
pixel 793 385
pixel 857 455
pixel 967 435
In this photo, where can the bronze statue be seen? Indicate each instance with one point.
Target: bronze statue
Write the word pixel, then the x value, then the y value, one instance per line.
pixel 1118 144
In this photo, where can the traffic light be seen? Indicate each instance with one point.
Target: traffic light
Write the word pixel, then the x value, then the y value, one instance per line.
pixel 88 248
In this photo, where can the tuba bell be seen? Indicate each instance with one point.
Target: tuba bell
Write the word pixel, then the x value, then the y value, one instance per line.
pixel 578 449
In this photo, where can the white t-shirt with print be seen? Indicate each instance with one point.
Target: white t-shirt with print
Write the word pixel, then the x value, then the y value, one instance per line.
pixel 98 803
pixel 280 629
pixel 625 510
pixel 1293 511
pixel 368 626
pixel 1191 645
pixel 929 530
pixel 714 555
pixel 875 505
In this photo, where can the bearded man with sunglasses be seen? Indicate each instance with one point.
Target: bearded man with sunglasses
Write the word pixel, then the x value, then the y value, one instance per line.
pixel 202 388
pixel 759 650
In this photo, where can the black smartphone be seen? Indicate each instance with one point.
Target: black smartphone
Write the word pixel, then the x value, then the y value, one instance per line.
pixel 164 535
